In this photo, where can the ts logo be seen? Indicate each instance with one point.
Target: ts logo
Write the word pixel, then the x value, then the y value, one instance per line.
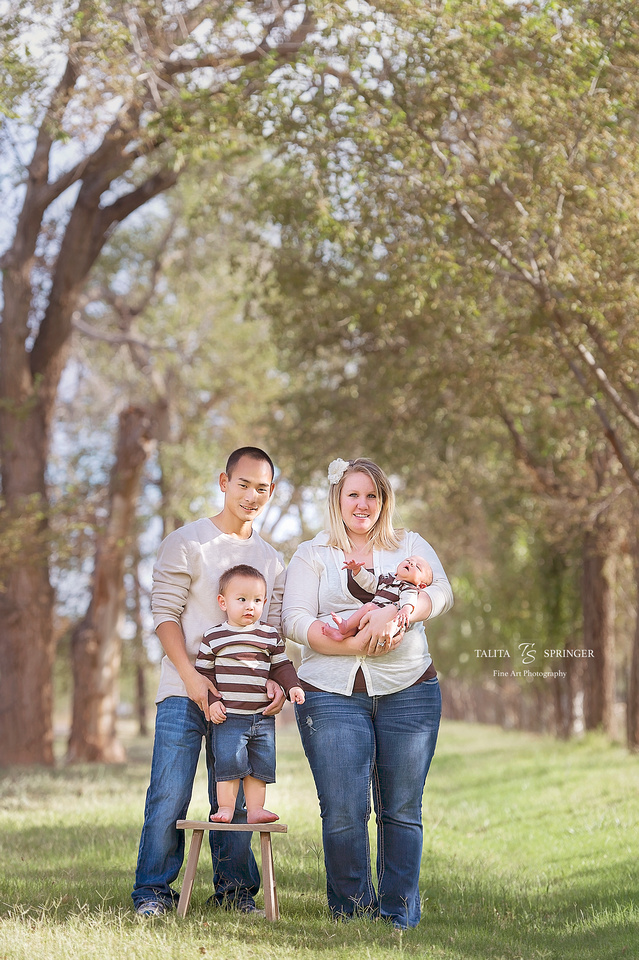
pixel 528 652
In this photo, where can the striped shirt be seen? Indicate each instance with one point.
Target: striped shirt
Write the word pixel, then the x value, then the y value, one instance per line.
pixel 387 589
pixel 239 661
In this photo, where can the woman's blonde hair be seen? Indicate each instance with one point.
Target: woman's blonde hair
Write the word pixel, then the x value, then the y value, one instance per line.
pixel 383 536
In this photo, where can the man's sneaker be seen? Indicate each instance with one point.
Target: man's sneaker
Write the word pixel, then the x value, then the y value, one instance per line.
pixel 247 906
pixel 243 904
pixel 151 908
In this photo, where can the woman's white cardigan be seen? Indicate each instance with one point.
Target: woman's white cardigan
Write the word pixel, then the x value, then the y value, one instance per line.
pixel 316 586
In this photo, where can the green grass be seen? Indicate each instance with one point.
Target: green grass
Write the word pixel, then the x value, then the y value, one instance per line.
pixel 530 853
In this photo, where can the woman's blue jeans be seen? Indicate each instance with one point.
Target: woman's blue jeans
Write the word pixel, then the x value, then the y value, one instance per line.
pixel 387 742
pixel 179 728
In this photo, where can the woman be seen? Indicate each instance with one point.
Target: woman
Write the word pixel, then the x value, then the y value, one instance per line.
pixel 373 703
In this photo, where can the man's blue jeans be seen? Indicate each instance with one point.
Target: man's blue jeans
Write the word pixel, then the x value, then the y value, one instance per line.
pixel 179 728
pixel 387 742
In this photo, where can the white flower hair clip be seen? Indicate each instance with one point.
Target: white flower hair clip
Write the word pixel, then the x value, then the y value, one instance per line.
pixel 336 470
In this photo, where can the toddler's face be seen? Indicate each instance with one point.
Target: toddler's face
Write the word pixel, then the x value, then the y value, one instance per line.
pixel 414 570
pixel 243 600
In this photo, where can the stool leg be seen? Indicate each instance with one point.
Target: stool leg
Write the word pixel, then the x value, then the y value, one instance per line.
pixel 271 907
pixel 189 873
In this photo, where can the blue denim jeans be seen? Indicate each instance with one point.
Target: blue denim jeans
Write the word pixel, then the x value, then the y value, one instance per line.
pixel 179 728
pixel 387 742
pixel 244 746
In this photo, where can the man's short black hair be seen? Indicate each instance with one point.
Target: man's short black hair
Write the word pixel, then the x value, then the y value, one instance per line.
pixel 254 453
pixel 240 570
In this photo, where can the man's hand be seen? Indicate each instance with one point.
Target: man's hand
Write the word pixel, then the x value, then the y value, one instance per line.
pixel 277 697
pixel 197 685
pixel 379 632
pixel 197 690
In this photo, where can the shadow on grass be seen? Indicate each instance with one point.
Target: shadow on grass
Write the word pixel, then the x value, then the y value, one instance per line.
pixel 93 863
pixel 58 873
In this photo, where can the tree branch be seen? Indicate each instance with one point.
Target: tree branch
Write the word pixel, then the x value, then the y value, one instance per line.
pixel 125 205
pixel 532 278
pixel 86 233
pixel 38 192
pixel 607 387
pixel 114 142
pixel 115 339
pixel 480 160
pixel 39 166
pixel 544 478
pixel 610 433
pixel 595 336
pixel 282 52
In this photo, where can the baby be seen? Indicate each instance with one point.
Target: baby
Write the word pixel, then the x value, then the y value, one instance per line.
pixel 400 588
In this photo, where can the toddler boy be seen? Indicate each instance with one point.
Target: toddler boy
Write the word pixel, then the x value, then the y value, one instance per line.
pixel 239 656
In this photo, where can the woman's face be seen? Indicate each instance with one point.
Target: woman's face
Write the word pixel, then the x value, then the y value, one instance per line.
pixel 359 504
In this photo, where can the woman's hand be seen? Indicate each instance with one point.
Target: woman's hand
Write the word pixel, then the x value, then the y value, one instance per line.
pixel 320 643
pixel 277 697
pixel 379 631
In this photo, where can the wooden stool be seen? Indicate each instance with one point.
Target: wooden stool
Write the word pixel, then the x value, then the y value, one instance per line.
pixel 265 830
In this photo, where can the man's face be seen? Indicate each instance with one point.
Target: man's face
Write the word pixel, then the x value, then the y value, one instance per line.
pixel 247 490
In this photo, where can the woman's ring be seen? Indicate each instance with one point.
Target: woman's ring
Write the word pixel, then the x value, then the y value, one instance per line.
pixel 381 643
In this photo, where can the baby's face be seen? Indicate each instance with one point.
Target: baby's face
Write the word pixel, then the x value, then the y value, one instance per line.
pixel 414 570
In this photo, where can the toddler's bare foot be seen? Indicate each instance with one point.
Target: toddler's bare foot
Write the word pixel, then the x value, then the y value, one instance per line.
pixel 223 815
pixel 261 816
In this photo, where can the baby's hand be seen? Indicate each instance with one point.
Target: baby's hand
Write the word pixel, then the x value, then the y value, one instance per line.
pixel 352 565
pixel 297 695
pixel 403 618
pixel 218 712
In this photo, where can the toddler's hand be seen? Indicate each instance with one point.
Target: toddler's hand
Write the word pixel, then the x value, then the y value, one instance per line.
pixel 218 712
pixel 297 695
pixel 352 565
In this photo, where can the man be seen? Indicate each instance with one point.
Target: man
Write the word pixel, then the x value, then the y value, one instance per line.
pixel 184 604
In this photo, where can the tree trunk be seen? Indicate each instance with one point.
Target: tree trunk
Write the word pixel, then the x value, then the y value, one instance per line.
pixel 26 597
pixel 139 653
pixel 598 601
pixel 26 663
pixel 556 587
pixel 632 710
pixel 96 642
pixel 563 704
